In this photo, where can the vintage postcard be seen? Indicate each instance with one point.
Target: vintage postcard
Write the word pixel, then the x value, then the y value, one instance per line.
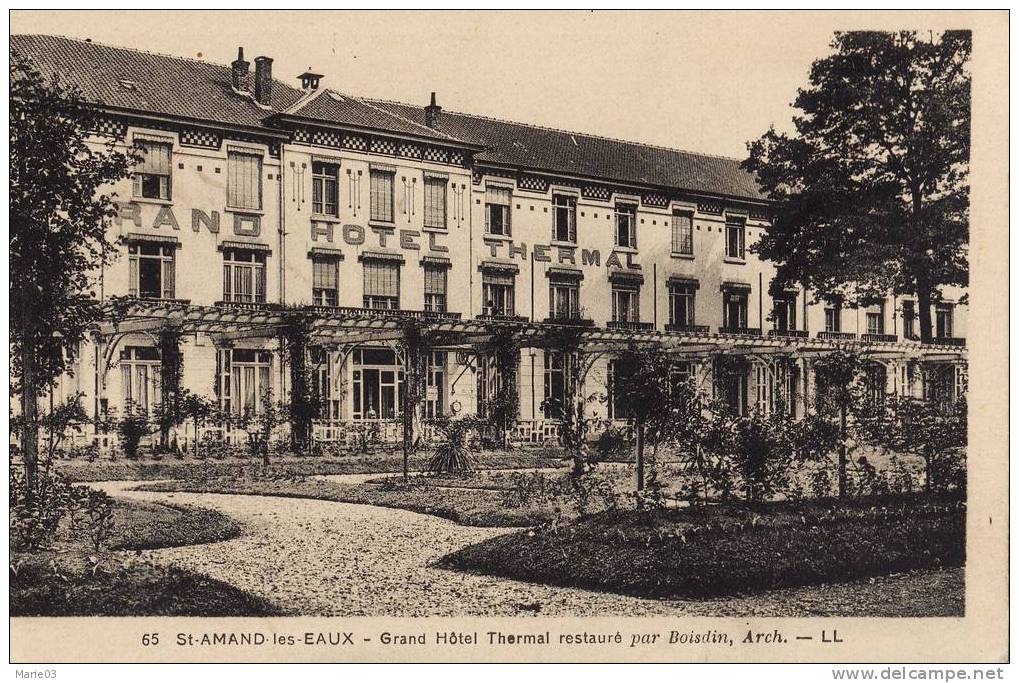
pixel 466 336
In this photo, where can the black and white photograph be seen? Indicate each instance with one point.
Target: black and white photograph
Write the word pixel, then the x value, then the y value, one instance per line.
pixel 471 315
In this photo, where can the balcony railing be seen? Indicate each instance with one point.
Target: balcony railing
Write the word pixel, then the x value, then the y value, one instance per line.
pixel 950 341
pixel 880 338
pixel 247 305
pixel 572 321
pixel 688 329
pixel 746 331
pixel 632 325
pixel 787 333
pixel 500 318
pixel 354 312
pixel 836 335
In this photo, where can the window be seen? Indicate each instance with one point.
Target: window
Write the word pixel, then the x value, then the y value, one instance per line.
pixel 557 378
pixel 682 233
pixel 626 225
pixel 435 288
pixel 784 313
pixel 245 381
pixel 382 195
pixel 908 320
pixel 435 385
pixel 833 318
pixel 497 293
pixel 735 238
pixel 734 309
pixel 625 303
pixel 244 181
pixel 435 202
pixel 681 303
pixel 244 275
pixel 564 300
pixel 325 188
pixel 377 384
pixel 152 173
pixel 140 377
pixel 151 270
pixel 564 217
pixel 876 320
pixel 943 321
pixel 619 407
pixel 325 280
pixel 381 285
pixel 497 210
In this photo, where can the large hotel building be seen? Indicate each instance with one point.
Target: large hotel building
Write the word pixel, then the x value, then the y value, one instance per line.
pixel 256 199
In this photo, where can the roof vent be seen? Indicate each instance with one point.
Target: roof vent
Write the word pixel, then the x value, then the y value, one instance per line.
pixel 128 84
pixel 309 80
pixel 239 72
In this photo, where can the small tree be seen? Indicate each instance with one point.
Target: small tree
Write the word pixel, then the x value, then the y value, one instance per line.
pixel 132 428
pixel 934 432
pixel 59 214
pixel 262 424
pixel 503 408
pixel 838 377
pixel 758 447
pixel 197 409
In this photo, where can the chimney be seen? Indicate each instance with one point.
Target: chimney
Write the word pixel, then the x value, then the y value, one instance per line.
pixel 239 72
pixel 263 79
pixel 309 80
pixel 432 112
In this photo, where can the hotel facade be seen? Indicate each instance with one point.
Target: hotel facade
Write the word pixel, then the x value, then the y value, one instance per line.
pixel 255 201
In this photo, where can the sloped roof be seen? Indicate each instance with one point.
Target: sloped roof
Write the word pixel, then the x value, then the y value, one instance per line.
pixel 164 85
pixel 558 151
pixel 332 107
pixel 192 89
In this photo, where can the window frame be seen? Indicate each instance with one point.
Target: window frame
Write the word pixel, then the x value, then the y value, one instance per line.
pixel 683 291
pixel 570 208
pixel 736 227
pixel 506 210
pixel 389 302
pixel 334 263
pixel 627 210
pixel 677 243
pixel 139 174
pixel 741 298
pixel 435 301
pixel 571 288
pixel 505 285
pixel 625 290
pixel 233 274
pixel 322 172
pixel 167 258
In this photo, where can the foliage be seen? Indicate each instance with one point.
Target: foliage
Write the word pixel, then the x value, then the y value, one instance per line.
pixel 60 208
pixel 92 517
pixel 261 425
pixel 36 515
pixel 199 410
pixel 935 432
pixel 171 361
pixel 871 192
pixel 453 454
pixel 503 408
pixel 757 447
pixel 132 428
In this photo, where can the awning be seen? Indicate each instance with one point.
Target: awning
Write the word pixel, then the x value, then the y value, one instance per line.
pixel 392 256
pixel 142 237
pixel 251 246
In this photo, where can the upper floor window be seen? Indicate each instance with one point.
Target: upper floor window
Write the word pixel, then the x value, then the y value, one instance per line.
pixel 382 195
pixel 244 181
pixel 152 173
pixel 381 284
pixel 876 320
pixel 325 280
pixel 497 291
pixel 325 188
pixel 435 202
pixel 784 313
pixel 564 226
pixel 244 275
pixel 735 238
pixel 908 320
pixel 497 210
pixel 833 317
pixel 564 299
pixel 435 288
pixel 626 225
pixel 625 303
pixel 734 308
pixel 682 233
pixel 682 299
pixel 151 270
pixel 943 321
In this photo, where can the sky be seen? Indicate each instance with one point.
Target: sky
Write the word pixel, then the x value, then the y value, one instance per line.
pixel 705 82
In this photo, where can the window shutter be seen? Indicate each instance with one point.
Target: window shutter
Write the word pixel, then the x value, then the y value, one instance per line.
pixel 244 181
pixel 435 281
pixel 381 279
pixel 382 196
pixel 435 202
pixel 155 158
pixel 168 278
pixel 132 286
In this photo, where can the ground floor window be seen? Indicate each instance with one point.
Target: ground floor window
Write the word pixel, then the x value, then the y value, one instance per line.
pixel 876 382
pixel 245 381
pixel 435 385
pixel 778 387
pixel 558 373
pixel 140 377
pixel 377 384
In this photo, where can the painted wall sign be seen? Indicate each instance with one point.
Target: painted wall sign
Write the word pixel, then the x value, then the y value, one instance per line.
pixel 355 235
pixel 243 224
pixel 547 253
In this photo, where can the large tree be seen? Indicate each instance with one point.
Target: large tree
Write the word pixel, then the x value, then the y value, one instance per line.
pixel 871 192
pixel 60 207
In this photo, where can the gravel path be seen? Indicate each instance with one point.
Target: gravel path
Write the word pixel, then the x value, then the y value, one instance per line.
pixel 325 558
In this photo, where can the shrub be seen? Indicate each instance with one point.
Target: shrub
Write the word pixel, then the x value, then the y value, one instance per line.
pixel 35 519
pixel 92 517
pixel 132 428
pixel 453 455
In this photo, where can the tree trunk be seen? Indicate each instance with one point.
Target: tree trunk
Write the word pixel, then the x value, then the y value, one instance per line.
pixel 843 456
pixel 928 464
pixel 923 302
pixel 639 444
pixel 410 387
pixel 30 413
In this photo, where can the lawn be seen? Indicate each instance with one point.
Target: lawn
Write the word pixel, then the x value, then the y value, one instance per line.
pixel 169 467
pixel 65 579
pixel 729 550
